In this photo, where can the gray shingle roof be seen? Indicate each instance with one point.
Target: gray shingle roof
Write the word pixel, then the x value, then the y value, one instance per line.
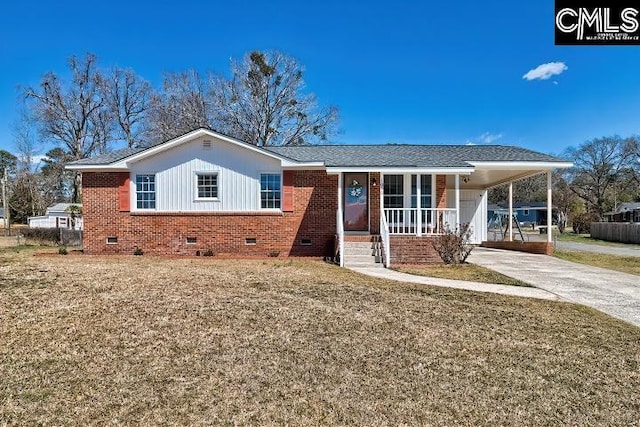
pixel 427 156
pixel 111 157
pixel 409 155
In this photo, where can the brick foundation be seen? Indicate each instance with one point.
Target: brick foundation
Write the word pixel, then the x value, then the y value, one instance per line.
pixel 313 217
pixel 413 250
pixel 543 248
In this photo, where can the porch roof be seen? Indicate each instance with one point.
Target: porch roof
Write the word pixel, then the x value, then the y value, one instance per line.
pixel 416 156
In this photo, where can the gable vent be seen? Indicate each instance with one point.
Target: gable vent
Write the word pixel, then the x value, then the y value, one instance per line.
pixel 206 145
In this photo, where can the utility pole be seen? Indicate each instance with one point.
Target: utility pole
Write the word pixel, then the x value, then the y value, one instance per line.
pixel 5 205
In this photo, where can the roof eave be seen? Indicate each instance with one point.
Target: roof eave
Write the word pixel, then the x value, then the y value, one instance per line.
pixel 401 169
pixel 523 165
pixel 112 167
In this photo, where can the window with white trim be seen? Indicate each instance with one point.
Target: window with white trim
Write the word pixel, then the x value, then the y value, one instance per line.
pixel 393 192
pixel 425 191
pixel 207 184
pixel 146 191
pixel 270 190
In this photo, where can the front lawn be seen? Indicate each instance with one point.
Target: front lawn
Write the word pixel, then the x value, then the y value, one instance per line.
pixel 625 264
pixel 142 340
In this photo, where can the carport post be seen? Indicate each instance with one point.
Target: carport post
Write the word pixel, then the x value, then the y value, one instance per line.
pixel 510 238
pixel 457 202
pixel 549 208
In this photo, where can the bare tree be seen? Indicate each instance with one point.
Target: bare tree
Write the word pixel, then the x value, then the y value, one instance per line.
pixel 599 166
pixel 264 103
pixel 74 116
pixel 182 106
pixel 28 187
pixel 128 97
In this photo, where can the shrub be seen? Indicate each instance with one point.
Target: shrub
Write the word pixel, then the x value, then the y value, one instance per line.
pixel 582 222
pixel 207 252
pixel 274 254
pixel 453 246
pixel 62 250
pixel 138 251
pixel 42 235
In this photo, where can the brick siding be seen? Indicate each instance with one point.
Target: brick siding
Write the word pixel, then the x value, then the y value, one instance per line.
pixel 413 250
pixel 543 248
pixel 441 191
pixel 225 233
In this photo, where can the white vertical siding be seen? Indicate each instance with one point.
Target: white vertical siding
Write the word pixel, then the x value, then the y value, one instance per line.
pixel 473 211
pixel 238 172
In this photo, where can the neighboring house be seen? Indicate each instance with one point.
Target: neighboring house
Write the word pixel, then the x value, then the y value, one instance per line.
pixel 527 213
pixel 626 212
pixel 2 218
pixel 57 216
pixel 206 191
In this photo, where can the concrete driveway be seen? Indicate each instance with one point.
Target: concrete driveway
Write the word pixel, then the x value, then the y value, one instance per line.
pixel 614 293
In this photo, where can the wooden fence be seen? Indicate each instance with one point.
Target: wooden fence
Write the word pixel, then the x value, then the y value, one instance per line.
pixel 616 231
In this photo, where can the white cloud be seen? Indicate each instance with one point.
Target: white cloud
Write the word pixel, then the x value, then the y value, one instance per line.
pixel 545 71
pixel 489 138
pixel 485 138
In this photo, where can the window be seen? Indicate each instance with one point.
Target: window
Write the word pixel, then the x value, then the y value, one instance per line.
pixel 525 212
pixel 425 191
pixel 207 185
pixel 146 191
pixel 393 191
pixel 270 191
pixel 112 240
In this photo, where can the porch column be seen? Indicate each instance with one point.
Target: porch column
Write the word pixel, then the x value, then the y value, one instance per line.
pixel 418 206
pixel 381 198
pixel 339 221
pixel 510 213
pixel 457 201
pixel 549 208
pixel 340 192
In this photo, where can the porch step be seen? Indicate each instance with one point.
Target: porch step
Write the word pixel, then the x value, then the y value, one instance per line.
pixel 365 251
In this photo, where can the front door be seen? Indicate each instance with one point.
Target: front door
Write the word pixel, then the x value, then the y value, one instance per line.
pixel 356 202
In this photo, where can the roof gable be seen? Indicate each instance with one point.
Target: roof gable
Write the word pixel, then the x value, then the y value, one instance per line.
pixel 121 159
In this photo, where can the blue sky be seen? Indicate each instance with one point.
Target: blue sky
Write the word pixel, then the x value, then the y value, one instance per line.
pixel 415 72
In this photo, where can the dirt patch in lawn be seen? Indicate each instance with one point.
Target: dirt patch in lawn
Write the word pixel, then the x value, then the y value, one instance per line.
pixel 141 340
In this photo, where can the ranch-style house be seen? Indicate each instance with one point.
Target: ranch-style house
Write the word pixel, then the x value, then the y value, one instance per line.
pixel 205 192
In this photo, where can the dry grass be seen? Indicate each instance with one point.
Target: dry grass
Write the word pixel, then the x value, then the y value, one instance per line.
pixel 570 236
pixel 140 340
pixel 626 264
pixel 469 272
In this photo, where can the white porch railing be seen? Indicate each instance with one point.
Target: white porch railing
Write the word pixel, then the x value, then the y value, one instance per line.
pixel 419 222
pixel 340 227
pixel 384 236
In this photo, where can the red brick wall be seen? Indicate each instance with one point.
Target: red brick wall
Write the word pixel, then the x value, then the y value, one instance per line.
pixel 441 191
pixel 374 204
pixel 543 248
pixel 413 250
pixel 313 217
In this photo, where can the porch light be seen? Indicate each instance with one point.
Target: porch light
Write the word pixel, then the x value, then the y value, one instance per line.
pixel 374 182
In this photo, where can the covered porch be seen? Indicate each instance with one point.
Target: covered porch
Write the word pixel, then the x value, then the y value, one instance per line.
pixel 403 209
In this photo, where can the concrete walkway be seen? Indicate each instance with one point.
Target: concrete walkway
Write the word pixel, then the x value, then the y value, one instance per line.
pixel 626 250
pixel 520 291
pixel 612 292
